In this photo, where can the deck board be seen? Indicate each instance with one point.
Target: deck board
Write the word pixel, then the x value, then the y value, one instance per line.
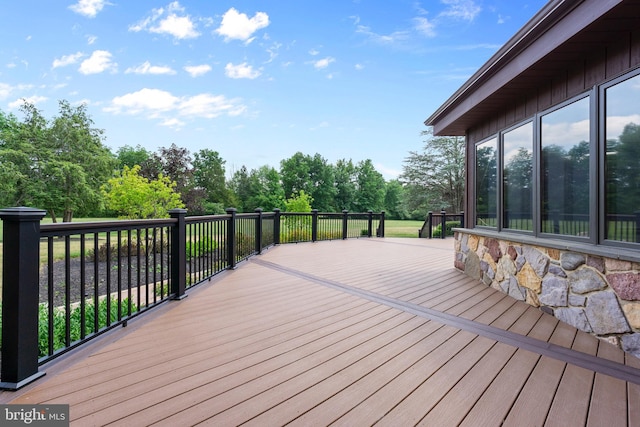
pixel 275 342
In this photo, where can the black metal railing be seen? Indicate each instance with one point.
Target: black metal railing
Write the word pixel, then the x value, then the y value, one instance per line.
pixel 440 225
pixel 65 284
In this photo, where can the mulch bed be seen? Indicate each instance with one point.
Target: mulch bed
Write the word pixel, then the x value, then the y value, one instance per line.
pixel 156 270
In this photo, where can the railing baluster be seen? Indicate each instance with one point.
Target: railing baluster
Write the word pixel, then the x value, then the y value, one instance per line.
pixel 83 308
pixel 67 290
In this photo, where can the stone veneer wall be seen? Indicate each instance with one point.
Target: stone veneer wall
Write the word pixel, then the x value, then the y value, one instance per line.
pixel 595 294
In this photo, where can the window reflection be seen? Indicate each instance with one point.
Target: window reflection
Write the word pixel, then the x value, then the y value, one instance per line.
pixel 486 183
pixel 517 146
pixel 565 135
pixel 622 160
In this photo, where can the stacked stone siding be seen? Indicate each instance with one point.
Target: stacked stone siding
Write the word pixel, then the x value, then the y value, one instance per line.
pixel 595 294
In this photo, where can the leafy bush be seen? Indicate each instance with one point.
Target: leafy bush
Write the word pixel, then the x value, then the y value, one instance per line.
pixel 245 245
pixel 437 232
pixel 59 328
pixel 149 244
pixel 202 246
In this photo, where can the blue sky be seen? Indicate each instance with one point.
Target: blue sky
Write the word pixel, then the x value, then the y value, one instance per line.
pixel 256 81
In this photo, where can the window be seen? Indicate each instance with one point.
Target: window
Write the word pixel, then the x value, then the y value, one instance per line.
pixel 571 172
pixel 564 161
pixel 622 161
pixel 517 178
pixel 486 183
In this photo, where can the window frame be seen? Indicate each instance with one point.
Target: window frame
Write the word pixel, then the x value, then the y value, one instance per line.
pixel 602 138
pixel 593 168
pixel 534 182
pixel 475 183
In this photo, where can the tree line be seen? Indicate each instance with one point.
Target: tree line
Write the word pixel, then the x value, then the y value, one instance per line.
pixel 63 166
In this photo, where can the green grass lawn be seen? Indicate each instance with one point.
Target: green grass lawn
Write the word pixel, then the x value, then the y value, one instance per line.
pixel 402 228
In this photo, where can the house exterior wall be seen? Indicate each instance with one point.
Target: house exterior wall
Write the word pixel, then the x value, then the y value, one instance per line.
pixel 592 287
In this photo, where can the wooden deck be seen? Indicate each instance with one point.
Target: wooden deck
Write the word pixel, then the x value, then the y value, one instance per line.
pixel 354 333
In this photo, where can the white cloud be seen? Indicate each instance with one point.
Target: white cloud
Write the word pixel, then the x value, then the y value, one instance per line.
pixel 156 103
pixel 320 125
pixel 151 101
pixel 323 63
pixel 273 52
pixel 170 20
pixel 31 100
pixel 173 123
pixel 241 71
pixel 359 67
pixel 565 134
pixel 209 106
pixel 147 68
pixel 395 37
pixel 239 26
pixel 466 10
pixel 91 39
pixel 388 173
pixel 616 124
pixel 65 60
pixel 197 70
pixel 88 8
pixel 424 26
pixel 314 52
pixel 6 89
pixel 98 62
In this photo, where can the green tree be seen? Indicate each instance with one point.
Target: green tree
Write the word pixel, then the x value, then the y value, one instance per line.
pixel 209 175
pixel 240 186
pixel 265 189
pixel 14 161
pixel 394 200
pixel 434 177
pixel 59 165
pixel 370 188
pixel 313 175
pixel 132 156
pixel 300 202
pixel 133 196
pixel 345 184
pixel 294 172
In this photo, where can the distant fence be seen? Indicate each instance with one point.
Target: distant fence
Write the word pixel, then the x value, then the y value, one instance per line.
pixel 439 225
pixel 65 284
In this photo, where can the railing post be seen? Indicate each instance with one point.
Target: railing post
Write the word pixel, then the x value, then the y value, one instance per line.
pixel 178 254
pixel 462 219
pixel 276 226
pixel 444 224
pixel 370 223
pixel 345 224
pixel 259 231
pixel 381 226
pixel 637 213
pixel 231 238
pixel 20 296
pixel 430 219
pixel 314 225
